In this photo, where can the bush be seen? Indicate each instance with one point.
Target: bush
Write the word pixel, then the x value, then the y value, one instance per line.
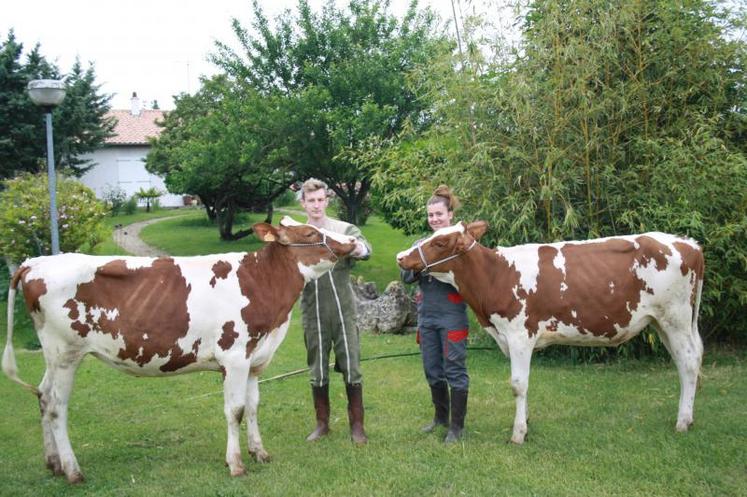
pixel 130 207
pixel 288 198
pixel 115 198
pixel 24 216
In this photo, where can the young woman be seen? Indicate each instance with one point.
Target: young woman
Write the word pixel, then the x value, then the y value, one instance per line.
pixel 442 331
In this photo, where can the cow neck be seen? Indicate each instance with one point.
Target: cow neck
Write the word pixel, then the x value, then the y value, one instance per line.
pixel 486 282
pixel 281 269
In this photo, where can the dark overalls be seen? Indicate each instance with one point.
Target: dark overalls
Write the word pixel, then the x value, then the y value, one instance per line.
pixel 442 331
pixel 442 334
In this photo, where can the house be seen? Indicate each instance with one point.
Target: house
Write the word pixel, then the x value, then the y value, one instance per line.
pixel 121 161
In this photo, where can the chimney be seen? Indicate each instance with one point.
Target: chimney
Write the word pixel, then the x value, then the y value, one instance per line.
pixel 135 105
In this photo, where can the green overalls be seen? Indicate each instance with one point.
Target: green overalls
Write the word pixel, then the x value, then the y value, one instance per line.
pixel 328 309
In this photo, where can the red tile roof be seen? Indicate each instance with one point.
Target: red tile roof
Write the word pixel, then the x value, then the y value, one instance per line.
pixel 134 130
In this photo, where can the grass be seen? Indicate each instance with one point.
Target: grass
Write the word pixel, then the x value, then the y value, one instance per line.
pixel 108 247
pixel 596 430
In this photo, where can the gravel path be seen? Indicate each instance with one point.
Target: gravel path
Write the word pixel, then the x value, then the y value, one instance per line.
pixel 128 237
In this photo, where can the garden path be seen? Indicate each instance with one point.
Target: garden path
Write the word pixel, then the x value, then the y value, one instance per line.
pixel 128 238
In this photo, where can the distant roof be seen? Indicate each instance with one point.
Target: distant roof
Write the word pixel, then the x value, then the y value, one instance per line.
pixel 135 130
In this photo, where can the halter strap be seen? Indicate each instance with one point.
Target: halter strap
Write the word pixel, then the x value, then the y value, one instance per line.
pixel 316 244
pixel 453 256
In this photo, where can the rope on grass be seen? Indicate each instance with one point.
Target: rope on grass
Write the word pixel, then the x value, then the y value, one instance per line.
pixel 332 364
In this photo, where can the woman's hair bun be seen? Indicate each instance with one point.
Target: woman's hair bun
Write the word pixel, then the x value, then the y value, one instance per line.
pixel 443 194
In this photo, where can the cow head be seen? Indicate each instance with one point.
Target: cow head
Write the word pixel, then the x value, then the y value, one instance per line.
pixel 315 250
pixel 437 253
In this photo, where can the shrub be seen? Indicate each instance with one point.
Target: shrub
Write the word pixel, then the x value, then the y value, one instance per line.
pixel 115 197
pixel 286 199
pixel 130 207
pixel 25 219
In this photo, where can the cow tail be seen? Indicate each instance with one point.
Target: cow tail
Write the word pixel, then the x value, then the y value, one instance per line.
pixel 9 356
pixel 700 270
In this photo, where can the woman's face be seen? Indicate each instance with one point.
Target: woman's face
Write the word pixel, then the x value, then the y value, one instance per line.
pixel 439 216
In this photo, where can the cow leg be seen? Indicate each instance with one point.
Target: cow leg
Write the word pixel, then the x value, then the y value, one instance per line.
pixel 256 449
pixel 61 378
pixel 51 456
pixel 520 353
pixel 686 348
pixel 234 401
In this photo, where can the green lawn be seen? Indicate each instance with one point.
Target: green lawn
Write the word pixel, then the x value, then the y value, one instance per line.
pixel 595 430
pixel 107 246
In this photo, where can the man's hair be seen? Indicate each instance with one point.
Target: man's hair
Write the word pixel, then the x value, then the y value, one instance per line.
pixel 311 185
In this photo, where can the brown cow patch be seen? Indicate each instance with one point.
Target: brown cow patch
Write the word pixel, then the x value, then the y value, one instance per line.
pixel 653 250
pixel 32 290
pixel 494 272
pixel 229 336
pixel 692 259
pixel 220 270
pixel 597 289
pixel 179 359
pixel 146 306
pixel 73 306
pixel 271 294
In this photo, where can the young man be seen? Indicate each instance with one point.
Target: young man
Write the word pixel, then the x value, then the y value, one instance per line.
pixel 329 320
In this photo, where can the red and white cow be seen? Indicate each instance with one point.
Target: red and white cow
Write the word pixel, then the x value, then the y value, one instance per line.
pixel 595 292
pixel 163 316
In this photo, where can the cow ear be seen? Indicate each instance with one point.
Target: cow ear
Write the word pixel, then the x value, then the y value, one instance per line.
pixel 265 232
pixel 477 229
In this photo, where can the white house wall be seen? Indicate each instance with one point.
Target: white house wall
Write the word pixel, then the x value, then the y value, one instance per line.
pixel 125 167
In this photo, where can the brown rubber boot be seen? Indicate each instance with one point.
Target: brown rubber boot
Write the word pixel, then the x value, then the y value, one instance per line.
pixel 355 413
pixel 321 406
pixel 440 398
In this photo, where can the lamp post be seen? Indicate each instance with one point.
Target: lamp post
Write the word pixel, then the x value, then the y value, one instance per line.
pixel 49 93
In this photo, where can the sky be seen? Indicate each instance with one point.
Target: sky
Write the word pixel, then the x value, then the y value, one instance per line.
pixel 157 48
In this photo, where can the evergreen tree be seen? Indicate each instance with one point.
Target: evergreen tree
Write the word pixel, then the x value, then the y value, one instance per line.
pixel 80 125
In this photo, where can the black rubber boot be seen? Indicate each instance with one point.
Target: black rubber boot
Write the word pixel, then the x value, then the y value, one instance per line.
pixel 355 413
pixel 321 406
pixel 440 398
pixel 458 412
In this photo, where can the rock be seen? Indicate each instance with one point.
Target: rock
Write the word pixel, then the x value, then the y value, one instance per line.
pixel 391 312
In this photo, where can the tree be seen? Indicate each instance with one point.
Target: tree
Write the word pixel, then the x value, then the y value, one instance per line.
pixel 615 117
pixel 215 145
pixel 342 78
pixel 80 124
pixel 150 195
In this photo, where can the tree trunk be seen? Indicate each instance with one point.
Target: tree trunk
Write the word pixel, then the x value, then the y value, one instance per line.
pixel 354 201
pixel 209 208
pixel 226 216
pixel 270 211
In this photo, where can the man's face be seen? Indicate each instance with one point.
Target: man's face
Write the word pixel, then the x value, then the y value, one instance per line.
pixel 315 204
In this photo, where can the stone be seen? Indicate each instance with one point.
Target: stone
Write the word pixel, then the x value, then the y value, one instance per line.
pixel 393 311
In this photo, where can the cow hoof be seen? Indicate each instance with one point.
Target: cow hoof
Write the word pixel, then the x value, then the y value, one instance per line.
pixel 683 426
pixel 54 465
pixel 238 471
pixel 517 439
pixel 261 456
pixel 75 478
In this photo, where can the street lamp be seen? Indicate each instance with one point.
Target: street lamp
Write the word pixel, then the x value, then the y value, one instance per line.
pixel 49 93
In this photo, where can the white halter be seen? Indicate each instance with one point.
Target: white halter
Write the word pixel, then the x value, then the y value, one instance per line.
pixel 454 256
